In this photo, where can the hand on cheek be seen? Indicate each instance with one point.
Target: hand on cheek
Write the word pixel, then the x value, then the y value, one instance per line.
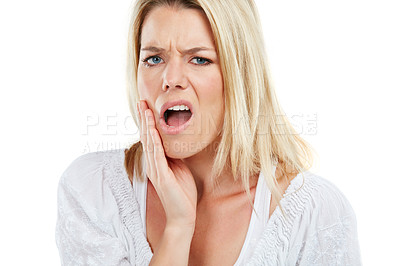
pixel 171 178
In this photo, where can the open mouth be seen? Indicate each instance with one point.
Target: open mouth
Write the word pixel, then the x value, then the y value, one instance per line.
pixel 177 115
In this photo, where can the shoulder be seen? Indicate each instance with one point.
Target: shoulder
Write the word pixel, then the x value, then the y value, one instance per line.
pixel 313 192
pixel 315 226
pixel 326 199
pixel 94 182
pixel 98 218
pixel 322 210
pixel 313 203
pixel 91 168
pixel 324 231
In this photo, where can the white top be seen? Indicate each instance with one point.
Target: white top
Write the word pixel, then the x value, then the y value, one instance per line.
pixel 258 220
pixel 101 220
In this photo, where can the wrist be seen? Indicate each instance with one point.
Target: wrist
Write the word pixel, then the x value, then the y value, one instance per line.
pixel 174 247
pixel 179 230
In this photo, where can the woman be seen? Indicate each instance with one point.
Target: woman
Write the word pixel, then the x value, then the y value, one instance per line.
pixel 219 176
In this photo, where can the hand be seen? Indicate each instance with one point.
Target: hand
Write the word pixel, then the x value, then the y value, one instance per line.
pixel 171 178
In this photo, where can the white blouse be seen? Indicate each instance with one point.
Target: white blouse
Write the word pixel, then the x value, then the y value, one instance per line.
pixel 101 220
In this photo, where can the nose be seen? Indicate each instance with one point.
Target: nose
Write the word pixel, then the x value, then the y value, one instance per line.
pixel 174 76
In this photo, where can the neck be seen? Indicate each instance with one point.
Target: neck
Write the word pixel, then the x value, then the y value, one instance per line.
pixel 201 165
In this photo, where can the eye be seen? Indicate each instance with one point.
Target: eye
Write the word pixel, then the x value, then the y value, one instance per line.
pixel 200 61
pixel 153 60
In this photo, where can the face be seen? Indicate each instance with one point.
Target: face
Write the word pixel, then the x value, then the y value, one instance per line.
pixel 179 69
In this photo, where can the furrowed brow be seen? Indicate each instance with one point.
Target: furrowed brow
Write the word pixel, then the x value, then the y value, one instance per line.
pixel 197 49
pixel 188 51
pixel 152 49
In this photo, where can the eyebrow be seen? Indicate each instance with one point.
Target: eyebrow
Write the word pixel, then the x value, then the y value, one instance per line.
pixel 188 51
pixel 152 49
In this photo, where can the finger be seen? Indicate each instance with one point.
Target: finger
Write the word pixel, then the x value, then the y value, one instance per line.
pixel 150 125
pixel 150 145
pixel 160 160
pixel 138 111
pixel 143 126
pixel 140 121
pixel 143 135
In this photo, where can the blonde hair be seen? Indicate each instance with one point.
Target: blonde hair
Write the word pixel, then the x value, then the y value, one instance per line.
pixel 256 133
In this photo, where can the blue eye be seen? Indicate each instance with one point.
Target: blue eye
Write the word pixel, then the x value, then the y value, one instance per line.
pixel 200 61
pixel 153 60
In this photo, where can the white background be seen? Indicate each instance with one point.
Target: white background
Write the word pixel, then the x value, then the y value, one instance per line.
pixel 62 68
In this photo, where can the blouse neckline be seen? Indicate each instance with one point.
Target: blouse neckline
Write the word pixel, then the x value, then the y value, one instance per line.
pixel 141 190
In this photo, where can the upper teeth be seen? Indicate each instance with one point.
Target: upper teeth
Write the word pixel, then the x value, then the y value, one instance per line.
pixel 179 108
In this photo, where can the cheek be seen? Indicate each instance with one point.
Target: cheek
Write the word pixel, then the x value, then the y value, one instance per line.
pixel 212 94
pixel 210 91
pixel 147 86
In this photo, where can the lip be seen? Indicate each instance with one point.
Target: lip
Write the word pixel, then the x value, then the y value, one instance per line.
pixel 174 130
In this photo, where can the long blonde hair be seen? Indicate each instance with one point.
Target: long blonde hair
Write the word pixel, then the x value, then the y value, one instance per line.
pixel 256 133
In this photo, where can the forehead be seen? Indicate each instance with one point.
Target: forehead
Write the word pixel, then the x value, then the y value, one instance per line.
pixel 166 26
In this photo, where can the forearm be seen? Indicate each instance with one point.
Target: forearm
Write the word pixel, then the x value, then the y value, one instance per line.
pixel 174 247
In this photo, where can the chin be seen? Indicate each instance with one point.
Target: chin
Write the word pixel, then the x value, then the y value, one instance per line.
pixel 179 156
pixel 183 148
pixel 180 149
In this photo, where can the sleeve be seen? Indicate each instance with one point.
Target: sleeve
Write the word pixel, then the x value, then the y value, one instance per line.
pixel 84 237
pixel 330 235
